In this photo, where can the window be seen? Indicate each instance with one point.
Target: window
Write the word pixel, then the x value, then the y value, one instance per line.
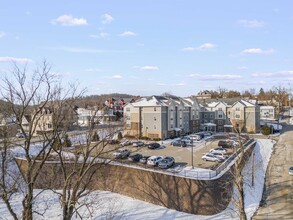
pixel 155 109
pixel 237 116
pixel 211 116
pixel 127 125
pixel 49 126
pixel 229 112
pixel 220 129
pixel 155 119
pixel 205 115
pixel 128 109
pixel 220 122
pixel 219 109
pixel 238 109
pixel 171 126
pixel 171 119
pixel 220 116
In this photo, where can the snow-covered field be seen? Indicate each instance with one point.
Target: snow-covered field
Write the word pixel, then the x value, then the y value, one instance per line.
pixel 112 205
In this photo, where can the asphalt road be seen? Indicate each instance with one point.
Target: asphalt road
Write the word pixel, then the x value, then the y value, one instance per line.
pixel 278 194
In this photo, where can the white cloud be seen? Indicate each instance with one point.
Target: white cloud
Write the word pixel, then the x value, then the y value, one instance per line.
pixel 149 68
pixel 161 84
pixel 279 74
pixel 128 34
pixel 116 77
pixel 107 19
pixel 69 20
pixel 205 46
pixel 216 76
pixel 93 70
pixel 15 59
pixel 84 50
pixel 188 49
pixel 100 35
pixel 251 23
pixel 2 34
pixel 257 51
pixel 242 68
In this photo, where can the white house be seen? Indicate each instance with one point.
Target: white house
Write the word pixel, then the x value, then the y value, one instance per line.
pixel 267 112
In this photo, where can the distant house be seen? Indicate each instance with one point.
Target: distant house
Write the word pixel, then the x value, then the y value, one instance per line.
pixel 267 112
pixel 55 114
pixel 85 116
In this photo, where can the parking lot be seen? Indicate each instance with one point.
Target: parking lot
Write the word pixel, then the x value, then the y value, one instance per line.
pixel 182 155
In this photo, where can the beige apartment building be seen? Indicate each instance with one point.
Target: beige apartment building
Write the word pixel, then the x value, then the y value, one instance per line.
pixel 163 117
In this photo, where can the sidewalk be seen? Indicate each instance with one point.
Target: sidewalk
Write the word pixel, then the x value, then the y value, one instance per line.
pixel 278 196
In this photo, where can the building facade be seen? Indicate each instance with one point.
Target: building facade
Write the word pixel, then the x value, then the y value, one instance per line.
pixel 160 117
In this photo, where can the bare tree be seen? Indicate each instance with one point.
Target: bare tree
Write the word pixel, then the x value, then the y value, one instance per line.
pixel 30 94
pixel 79 169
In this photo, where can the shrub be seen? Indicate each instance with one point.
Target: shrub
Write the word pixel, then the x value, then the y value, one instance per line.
pixel 119 135
pixel 66 142
pixel 144 138
pixel 157 139
pixel 266 130
pixel 95 136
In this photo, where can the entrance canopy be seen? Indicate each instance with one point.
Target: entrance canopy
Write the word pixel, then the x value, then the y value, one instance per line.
pixel 210 124
pixel 177 129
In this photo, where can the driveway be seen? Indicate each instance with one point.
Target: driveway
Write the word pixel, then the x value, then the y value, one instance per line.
pixel 278 196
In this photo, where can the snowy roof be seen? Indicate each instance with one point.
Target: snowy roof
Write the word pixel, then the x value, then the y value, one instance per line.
pixel 267 107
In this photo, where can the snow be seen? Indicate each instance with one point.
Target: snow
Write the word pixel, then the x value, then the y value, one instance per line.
pixel 111 205
pixel 277 127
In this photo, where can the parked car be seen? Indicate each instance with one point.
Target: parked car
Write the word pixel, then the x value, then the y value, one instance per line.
pixel 154 146
pixel 224 144
pixel 20 135
pixel 144 159
pixel 195 137
pixel 221 156
pixel 291 170
pixel 120 154
pixel 166 162
pixel 125 143
pixel 154 160
pixel 218 150
pixel 135 157
pixel 113 141
pixel 179 143
pixel 210 157
pixel 187 140
pixel 137 144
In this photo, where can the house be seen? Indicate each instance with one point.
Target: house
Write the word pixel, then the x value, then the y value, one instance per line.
pixel 96 116
pixel 55 114
pixel 267 112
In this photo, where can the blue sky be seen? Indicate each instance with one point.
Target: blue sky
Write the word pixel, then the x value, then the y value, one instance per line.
pixel 154 46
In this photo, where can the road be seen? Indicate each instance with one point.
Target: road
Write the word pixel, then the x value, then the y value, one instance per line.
pixel 278 194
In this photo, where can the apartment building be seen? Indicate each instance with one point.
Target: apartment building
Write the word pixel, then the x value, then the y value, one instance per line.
pixel 163 117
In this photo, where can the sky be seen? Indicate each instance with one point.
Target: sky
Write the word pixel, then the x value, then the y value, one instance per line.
pixel 149 47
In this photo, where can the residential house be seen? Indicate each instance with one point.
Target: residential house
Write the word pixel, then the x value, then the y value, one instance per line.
pixel 55 114
pixel 267 112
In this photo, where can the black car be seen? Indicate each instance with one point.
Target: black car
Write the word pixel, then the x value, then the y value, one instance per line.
pixel 179 143
pixel 135 157
pixel 154 146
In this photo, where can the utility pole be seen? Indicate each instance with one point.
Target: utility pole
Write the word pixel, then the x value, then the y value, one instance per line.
pixel 252 169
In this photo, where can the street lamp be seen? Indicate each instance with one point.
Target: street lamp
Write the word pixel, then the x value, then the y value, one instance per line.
pixel 192 155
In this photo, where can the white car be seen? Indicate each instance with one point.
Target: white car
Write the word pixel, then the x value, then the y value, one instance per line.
pixel 221 156
pixel 218 150
pixel 188 141
pixel 125 143
pixel 137 144
pixel 154 160
pixel 210 157
pixel 195 137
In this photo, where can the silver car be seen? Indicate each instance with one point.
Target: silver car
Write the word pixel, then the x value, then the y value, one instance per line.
pixel 291 170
